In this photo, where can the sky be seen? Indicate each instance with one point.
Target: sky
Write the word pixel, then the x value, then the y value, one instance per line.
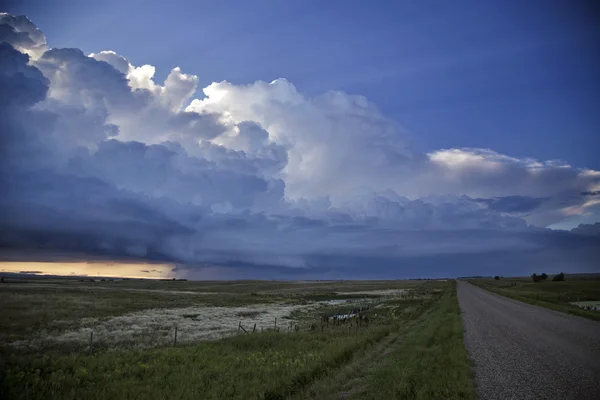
pixel 304 139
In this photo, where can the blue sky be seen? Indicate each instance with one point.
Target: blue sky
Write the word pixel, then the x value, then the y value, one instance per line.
pixel 517 77
pixel 303 139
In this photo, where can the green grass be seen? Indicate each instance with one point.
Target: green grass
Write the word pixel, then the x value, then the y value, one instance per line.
pixel 263 365
pixel 429 362
pixel 554 295
pixel 28 310
pixel 422 358
pixel 257 366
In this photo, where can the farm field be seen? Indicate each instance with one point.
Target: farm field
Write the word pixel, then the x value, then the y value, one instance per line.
pixel 573 295
pixel 243 339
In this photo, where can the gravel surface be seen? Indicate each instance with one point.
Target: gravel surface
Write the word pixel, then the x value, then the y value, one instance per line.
pixel 522 351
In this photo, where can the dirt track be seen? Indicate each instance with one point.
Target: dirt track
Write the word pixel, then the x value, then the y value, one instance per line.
pixel 522 351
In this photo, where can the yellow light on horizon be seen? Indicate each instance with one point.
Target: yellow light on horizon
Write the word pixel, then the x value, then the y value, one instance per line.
pixel 109 269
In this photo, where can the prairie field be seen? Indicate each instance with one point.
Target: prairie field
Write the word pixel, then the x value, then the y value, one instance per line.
pixel 129 339
pixel 578 294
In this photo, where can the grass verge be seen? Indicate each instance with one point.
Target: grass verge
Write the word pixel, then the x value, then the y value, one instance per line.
pixel 429 362
pixel 266 365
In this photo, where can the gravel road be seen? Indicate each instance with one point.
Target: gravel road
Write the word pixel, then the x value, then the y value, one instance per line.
pixel 522 351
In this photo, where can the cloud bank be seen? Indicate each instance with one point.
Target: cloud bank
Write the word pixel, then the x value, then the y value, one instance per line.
pixel 260 180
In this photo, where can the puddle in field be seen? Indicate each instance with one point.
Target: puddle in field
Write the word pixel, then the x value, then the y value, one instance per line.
pixel 337 302
pixel 590 305
pixel 334 302
pixel 382 292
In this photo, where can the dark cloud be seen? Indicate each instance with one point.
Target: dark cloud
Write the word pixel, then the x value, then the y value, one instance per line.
pixel 85 73
pixel 21 84
pixel 513 204
pixel 21 33
pixel 566 255
pixel 588 229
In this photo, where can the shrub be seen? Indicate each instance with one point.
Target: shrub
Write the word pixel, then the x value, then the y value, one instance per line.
pixel 559 277
pixel 541 277
pixel 497 278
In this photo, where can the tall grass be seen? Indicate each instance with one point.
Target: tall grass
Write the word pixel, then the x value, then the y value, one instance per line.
pixel 430 361
pixel 268 365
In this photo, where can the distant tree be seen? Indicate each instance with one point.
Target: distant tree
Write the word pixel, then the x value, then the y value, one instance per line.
pixel 535 278
pixel 544 276
pixel 558 278
pixel 497 278
pixel 2 280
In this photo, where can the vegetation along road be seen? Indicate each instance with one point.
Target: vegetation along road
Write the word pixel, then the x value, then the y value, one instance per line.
pixel 522 351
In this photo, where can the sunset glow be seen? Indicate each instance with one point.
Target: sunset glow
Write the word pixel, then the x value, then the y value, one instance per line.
pixel 95 268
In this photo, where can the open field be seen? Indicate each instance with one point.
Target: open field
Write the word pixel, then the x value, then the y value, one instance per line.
pixel 51 307
pixel 412 333
pixel 560 296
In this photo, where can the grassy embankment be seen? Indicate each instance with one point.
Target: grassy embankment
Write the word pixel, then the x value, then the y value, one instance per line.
pixel 553 295
pixel 430 362
pixel 427 360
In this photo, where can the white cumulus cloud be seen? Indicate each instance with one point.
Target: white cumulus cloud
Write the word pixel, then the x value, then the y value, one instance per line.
pixel 98 157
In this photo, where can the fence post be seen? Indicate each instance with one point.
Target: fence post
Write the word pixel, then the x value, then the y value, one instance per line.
pixel 275 323
pixel 175 338
pixel 91 341
pixel 239 326
pixel 254 329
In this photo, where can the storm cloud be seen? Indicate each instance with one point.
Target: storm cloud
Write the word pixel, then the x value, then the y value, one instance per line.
pixel 259 180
